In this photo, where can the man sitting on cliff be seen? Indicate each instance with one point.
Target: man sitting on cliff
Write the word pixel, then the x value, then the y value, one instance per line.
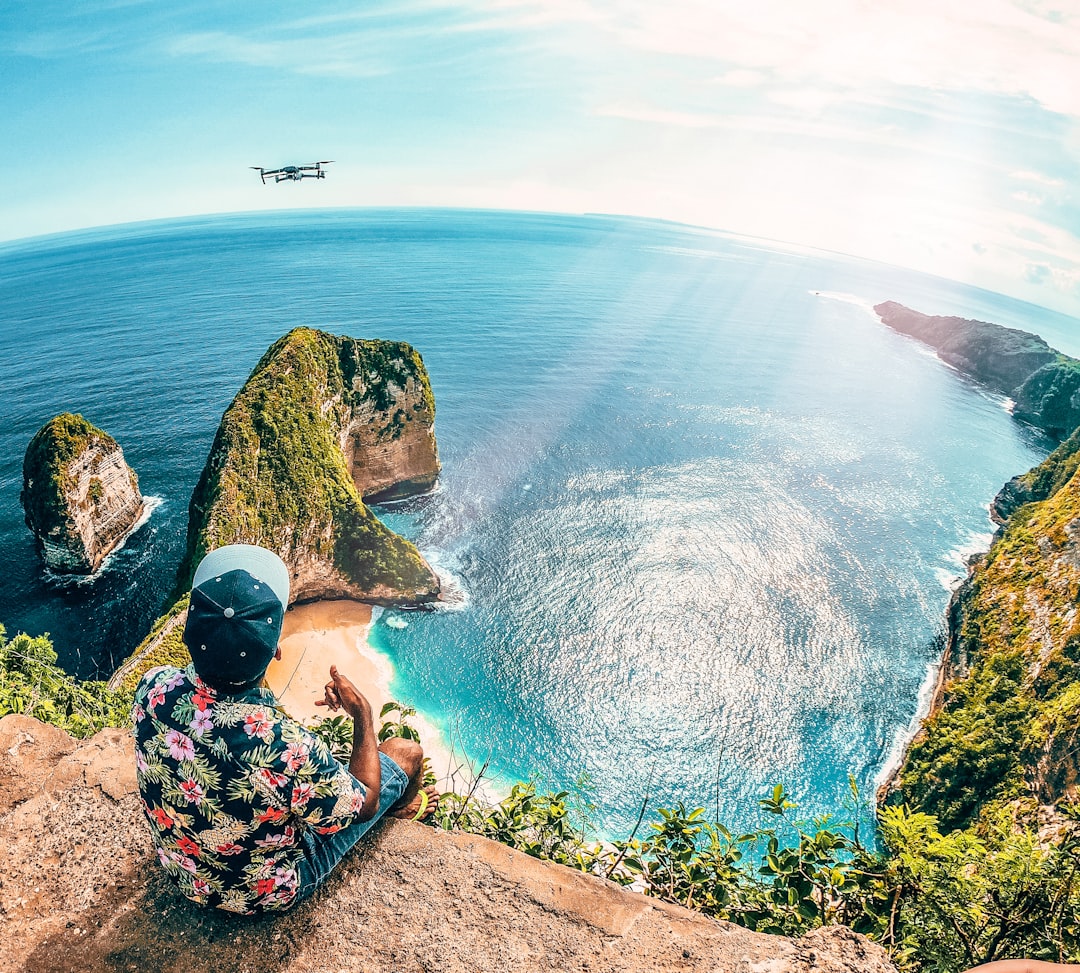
pixel 249 811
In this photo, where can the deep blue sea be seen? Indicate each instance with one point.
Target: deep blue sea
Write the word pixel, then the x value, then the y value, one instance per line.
pixel 700 507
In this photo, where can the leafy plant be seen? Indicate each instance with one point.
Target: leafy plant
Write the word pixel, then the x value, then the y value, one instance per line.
pixel 32 683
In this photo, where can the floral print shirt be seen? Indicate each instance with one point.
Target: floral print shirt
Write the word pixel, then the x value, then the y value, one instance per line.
pixel 229 783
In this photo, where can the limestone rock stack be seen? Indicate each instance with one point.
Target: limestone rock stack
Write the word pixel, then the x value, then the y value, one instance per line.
pixel 322 424
pixel 79 496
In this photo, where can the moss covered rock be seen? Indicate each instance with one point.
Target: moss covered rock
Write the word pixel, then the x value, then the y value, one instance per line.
pixel 79 496
pixel 1040 482
pixel 1050 398
pixel 322 423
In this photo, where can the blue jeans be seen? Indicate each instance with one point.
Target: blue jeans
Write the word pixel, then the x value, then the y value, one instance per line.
pixel 322 852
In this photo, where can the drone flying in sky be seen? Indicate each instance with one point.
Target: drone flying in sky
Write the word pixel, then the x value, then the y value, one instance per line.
pixel 296 173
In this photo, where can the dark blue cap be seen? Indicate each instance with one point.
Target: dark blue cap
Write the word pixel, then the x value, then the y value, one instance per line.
pixel 234 619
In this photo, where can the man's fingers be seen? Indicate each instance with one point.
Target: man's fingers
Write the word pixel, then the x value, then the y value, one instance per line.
pixel 330 696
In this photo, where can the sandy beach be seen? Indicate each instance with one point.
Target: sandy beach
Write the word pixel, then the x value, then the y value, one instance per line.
pixel 325 633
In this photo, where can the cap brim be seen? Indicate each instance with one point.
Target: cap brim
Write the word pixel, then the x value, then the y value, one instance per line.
pixel 260 563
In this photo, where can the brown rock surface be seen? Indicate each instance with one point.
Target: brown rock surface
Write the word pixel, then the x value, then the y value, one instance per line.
pixel 81 890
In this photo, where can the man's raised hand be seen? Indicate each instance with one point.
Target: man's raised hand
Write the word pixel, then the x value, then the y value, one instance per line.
pixel 340 693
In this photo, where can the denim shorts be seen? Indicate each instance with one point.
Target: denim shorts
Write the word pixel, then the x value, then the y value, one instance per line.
pixel 322 852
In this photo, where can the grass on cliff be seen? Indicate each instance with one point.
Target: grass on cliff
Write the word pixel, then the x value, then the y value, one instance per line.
pixel 1044 480
pixel 163 646
pixel 277 476
pixel 1009 722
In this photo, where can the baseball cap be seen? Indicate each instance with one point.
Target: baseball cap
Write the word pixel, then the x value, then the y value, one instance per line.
pixel 238 599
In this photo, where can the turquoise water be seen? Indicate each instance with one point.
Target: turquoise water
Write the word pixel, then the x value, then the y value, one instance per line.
pixel 699 509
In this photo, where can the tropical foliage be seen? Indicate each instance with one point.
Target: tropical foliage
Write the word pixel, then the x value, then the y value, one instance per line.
pixel 32 683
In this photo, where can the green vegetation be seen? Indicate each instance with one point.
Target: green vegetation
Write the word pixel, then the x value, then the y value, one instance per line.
pixel 1044 480
pixel 999 735
pixel 159 648
pixel 938 902
pixel 277 475
pixel 1048 397
pixel 33 684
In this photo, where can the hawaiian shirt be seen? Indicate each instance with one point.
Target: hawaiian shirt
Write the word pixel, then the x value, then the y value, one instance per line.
pixel 229 784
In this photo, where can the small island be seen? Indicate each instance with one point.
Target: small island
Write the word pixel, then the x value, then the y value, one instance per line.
pixel 79 496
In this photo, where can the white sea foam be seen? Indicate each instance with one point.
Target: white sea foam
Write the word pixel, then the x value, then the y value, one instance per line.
pixel 396 621
pixel 455 596
pixel 951 575
pixel 150 504
pixel 900 742
pixel 847 299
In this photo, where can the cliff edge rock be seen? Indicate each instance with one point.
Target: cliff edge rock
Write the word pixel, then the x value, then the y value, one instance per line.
pixel 79 496
pixel 322 424
pixel 81 890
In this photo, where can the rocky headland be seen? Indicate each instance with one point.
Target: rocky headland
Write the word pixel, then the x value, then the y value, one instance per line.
pixel 81 890
pixel 1004 722
pixel 79 496
pixel 1043 383
pixel 322 424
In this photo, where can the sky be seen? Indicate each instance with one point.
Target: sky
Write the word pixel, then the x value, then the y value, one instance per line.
pixel 942 135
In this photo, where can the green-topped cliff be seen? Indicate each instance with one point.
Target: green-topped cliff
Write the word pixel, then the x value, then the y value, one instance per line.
pixel 321 423
pixel 1040 482
pixel 79 496
pixel 1005 723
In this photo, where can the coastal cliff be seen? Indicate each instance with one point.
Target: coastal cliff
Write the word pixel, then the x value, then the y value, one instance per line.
pixel 82 890
pixel 1004 724
pixel 322 424
pixel 1043 383
pixel 79 496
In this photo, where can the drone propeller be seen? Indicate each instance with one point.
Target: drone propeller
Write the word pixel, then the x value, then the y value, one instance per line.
pixel 325 162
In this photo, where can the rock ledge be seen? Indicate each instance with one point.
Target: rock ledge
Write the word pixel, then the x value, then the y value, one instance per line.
pixel 81 890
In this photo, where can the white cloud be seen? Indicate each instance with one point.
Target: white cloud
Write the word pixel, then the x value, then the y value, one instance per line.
pixel 994 46
pixel 342 56
pixel 658 116
pixel 1038 177
pixel 741 78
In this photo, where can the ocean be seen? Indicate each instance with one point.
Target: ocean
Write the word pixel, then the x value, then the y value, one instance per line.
pixel 700 511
